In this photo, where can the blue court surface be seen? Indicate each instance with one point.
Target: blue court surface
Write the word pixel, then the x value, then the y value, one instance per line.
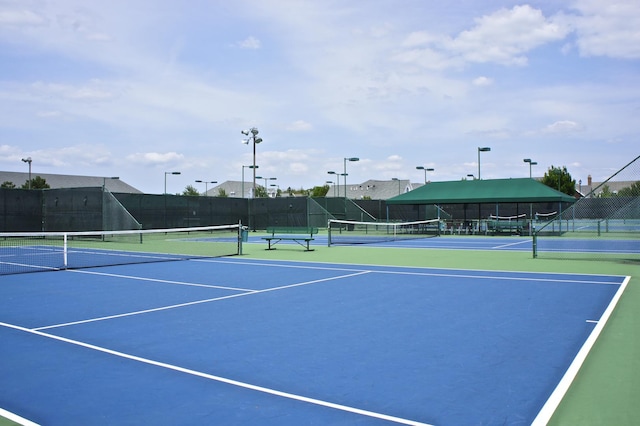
pixel 238 341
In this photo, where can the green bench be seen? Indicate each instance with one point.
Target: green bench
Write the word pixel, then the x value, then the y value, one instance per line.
pixel 299 234
pixel 510 226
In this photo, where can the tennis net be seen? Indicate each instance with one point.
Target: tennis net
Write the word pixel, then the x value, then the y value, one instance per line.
pixel 45 251
pixel 354 232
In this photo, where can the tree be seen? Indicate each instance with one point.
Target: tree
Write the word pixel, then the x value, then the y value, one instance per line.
pixel 606 192
pixel 630 191
pixel 36 183
pixel 190 190
pixel 560 180
pixel 260 192
pixel 8 185
pixel 222 193
pixel 320 191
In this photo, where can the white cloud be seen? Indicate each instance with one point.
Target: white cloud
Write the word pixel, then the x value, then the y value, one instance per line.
pixel 482 81
pixel 563 126
pixel 503 37
pixel 20 17
pixel 608 28
pixel 94 91
pixel 299 126
pixel 153 158
pixel 250 43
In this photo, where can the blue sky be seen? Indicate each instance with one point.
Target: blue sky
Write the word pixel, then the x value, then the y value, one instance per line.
pixel 138 88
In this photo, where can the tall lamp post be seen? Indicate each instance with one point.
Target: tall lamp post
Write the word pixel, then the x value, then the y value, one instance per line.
pixel 337 183
pixel 266 189
pixel 165 179
pixel 483 149
pixel 426 169
pixel 206 184
pixel 531 163
pixel 28 160
pixel 252 134
pixel 345 173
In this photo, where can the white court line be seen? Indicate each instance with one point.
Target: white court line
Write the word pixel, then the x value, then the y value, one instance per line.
pixel 220 379
pixel 132 277
pixel 392 269
pixel 512 244
pixel 498 277
pixel 197 302
pixel 559 392
pixel 16 418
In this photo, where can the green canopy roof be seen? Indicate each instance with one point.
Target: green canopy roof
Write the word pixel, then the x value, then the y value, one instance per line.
pixel 521 190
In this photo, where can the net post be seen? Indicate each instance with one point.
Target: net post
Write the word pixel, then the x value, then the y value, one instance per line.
pixel 329 233
pixel 64 251
pixel 534 241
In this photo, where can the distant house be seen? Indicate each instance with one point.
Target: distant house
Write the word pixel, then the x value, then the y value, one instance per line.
pixel 373 189
pixel 238 189
pixel 585 189
pixel 70 181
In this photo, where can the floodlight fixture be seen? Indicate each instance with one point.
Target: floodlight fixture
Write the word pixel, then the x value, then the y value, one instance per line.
pixel 252 133
pixel 206 184
pixel 426 169
pixel 345 174
pixel 28 160
pixel 531 163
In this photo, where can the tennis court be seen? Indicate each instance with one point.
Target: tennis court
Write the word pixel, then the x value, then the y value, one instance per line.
pixel 334 336
pixel 492 243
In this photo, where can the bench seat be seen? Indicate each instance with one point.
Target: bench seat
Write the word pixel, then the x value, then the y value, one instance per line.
pixel 511 226
pixel 299 234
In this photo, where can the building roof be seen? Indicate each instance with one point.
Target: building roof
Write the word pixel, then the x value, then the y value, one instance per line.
pixel 373 189
pixel 70 181
pixel 234 189
pixel 598 187
pixel 522 190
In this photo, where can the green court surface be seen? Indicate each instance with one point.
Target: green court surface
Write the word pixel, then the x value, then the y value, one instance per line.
pixel 607 388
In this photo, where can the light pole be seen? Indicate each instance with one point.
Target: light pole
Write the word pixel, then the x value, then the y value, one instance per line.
pixel 531 163
pixel 266 189
pixel 345 173
pixel 483 149
pixel 471 176
pixel 426 169
pixel 165 179
pixel 337 183
pixel 28 160
pixel 249 167
pixel 104 182
pixel 206 184
pixel 277 189
pixel 253 137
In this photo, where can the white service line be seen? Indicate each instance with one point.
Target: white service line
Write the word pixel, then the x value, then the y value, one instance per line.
pixel 133 277
pixel 197 302
pixel 221 379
